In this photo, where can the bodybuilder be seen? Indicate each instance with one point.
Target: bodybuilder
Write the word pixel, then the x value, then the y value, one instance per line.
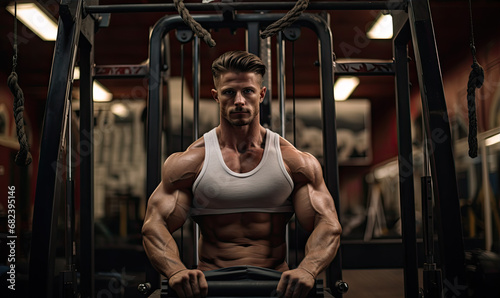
pixel 241 183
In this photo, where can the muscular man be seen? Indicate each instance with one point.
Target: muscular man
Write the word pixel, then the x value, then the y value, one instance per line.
pixel 241 183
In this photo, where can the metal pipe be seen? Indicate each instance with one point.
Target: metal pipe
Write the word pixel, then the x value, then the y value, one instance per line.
pixel 281 81
pixel 196 115
pixel 196 86
pixel 219 6
pixel 41 267
pixel 488 229
pixel 87 257
pixel 442 164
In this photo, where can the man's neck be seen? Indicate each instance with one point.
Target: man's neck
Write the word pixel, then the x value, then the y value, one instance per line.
pixel 241 138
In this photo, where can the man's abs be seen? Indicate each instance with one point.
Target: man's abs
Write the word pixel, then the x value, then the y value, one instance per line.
pixel 256 239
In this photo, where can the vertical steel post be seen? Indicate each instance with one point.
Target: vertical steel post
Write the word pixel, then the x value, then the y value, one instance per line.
pixel 154 132
pixel 87 265
pixel 196 86
pixel 261 48
pixel 405 162
pixel 334 271
pixel 280 40
pixel 196 125
pixel 41 267
pixel 440 148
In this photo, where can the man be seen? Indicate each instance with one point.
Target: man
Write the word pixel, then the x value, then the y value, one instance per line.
pixel 241 183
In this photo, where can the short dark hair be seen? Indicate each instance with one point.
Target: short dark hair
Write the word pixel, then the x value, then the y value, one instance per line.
pixel 237 61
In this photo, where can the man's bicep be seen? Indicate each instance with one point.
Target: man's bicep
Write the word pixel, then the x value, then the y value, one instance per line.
pixel 312 204
pixel 169 206
pixel 313 201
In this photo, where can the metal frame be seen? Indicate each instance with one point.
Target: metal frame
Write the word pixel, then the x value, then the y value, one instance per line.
pixel 314 22
pixel 415 24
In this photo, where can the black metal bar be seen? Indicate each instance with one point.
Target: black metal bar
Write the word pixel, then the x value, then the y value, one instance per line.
pixel 253 39
pixel 255 46
pixel 280 73
pixel 87 264
pixel 196 125
pixel 41 271
pixel 265 106
pixel 196 87
pixel 431 279
pixel 368 68
pixel 322 29
pixel 405 162
pixel 440 148
pixel 121 71
pixel 219 6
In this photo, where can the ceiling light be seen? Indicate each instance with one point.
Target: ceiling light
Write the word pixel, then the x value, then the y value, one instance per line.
pixel 381 28
pixel 344 86
pixel 100 93
pixel 492 140
pixel 120 110
pixel 76 73
pixel 37 19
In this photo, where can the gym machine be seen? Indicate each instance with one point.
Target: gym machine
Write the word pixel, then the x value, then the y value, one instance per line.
pixel 412 21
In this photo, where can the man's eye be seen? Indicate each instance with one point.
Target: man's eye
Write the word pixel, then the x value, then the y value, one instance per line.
pixel 227 92
pixel 248 91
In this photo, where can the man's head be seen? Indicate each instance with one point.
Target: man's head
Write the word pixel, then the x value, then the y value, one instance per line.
pixel 237 61
pixel 238 87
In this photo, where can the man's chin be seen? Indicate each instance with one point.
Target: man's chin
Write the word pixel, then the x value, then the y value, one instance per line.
pixel 240 123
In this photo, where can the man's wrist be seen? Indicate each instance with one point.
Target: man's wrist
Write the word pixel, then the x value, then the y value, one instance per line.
pixel 175 272
pixel 308 271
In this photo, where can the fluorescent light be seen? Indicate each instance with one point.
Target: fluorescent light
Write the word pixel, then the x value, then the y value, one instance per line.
pixel 120 110
pixel 100 93
pixel 381 28
pixel 76 73
pixel 492 140
pixel 35 18
pixel 344 86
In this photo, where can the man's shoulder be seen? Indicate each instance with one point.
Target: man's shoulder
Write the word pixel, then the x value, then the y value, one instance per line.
pixel 185 166
pixel 294 159
pixel 302 166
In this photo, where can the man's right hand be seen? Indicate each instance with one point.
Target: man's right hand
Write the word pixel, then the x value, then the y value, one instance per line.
pixel 189 283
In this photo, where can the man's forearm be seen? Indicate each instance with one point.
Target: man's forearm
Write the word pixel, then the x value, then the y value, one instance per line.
pixel 162 251
pixel 321 248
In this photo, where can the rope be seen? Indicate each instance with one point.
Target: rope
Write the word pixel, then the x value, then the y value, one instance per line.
pixel 286 20
pixel 195 26
pixel 23 157
pixel 476 79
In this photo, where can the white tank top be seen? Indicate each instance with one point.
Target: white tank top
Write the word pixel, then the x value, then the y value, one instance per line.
pixel 266 188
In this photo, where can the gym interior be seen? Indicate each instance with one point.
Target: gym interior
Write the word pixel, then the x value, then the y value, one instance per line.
pixel 405 125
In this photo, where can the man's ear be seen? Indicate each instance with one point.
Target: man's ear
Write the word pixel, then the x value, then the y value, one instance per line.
pixel 215 95
pixel 262 93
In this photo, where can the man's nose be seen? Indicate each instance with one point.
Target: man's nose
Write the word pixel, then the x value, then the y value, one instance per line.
pixel 239 99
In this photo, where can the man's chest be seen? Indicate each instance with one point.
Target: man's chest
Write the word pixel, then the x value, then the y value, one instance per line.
pixel 242 162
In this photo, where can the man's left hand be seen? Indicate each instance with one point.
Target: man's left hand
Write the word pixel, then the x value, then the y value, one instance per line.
pixel 295 283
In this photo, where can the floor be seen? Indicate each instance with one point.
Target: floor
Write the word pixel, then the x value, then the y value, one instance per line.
pixel 374 283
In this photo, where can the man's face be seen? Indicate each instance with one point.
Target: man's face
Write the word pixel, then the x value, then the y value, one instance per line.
pixel 239 96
